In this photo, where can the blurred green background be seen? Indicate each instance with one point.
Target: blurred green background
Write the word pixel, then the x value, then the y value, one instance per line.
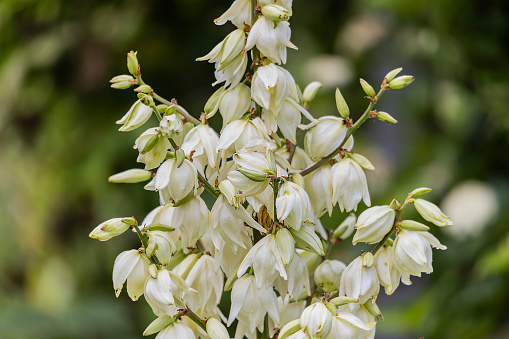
pixel 59 143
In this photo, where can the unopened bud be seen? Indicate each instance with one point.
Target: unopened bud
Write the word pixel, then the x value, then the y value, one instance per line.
pixel 395 205
pixel 307 239
pixel 311 90
pixel 144 89
pixel 170 110
pixel 286 245
pixel 401 82
pixel 328 275
pixel 253 175
pixel 210 105
pixel 432 213
pixel 411 225
pixel 132 63
pixel 392 74
pixel 385 117
pixel 418 192
pixel 289 329
pixel 276 13
pixel 340 301
pixel 367 259
pixel 367 88
pixel 152 270
pixel 362 161
pixel 159 324
pixel 111 228
pixel 216 330
pixel 146 100
pixel 131 176
pixel 346 228
pixel 341 104
pixel 161 108
pixel 122 82
pixel 373 308
pixel 154 139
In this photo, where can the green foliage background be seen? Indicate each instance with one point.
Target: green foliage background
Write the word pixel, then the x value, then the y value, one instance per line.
pixel 58 144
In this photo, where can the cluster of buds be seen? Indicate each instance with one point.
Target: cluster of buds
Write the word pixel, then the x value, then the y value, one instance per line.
pixel 262 238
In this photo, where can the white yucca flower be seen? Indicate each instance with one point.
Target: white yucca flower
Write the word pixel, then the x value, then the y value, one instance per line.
pixel 270 39
pixel 388 275
pixel 227 50
pixel 162 245
pixel 208 281
pixel 180 181
pixel 191 219
pixel 249 306
pixel 171 125
pixel 176 330
pixel 289 310
pixel 202 142
pixel 241 132
pixel 239 14
pixel 133 267
pixel 349 185
pixel 216 330
pixel 432 213
pixel 325 137
pixel 265 259
pixel 160 215
pixel 271 85
pixel 138 114
pixel 318 185
pixel 232 74
pixel 316 321
pixel 347 325
pixel 157 153
pixel 412 253
pixel 373 224
pixel 359 281
pixel 328 275
pixel 293 205
pixel 164 294
pixel 234 103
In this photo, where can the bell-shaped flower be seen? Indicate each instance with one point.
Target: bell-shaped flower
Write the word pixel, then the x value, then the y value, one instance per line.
pixel 325 137
pixel 270 39
pixel 293 205
pixel 171 125
pixel 319 188
pixel 388 275
pixel 233 104
pixel 328 275
pixel 373 224
pixel 359 281
pixel 271 85
pixel 133 267
pixel 298 279
pixel 180 180
pixel 349 185
pixel 176 330
pixel 138 114
pixel 432 213
pixel 265 259
pixel 165 292
pixel 347 325
pixel 242 132
pixel 111 228
pixel 250 304
pixel 289 311
pixel 227 50
pixel 239 14
pixel 316 321
pixel 201 141
pixel 209 282
pixel 191 219
pixel 161 215
pixel 412 253
pixel 233 73
pixel 216 330
pixel 158 148
pixel 162 245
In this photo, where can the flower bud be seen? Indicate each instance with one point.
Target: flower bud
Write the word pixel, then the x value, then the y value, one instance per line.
pixel 216 330
pixel 286 245
pixel 276 13
pixel 395 205
pixel 340 301
pixel 373 308
pixel 307 239
pixel 170 110
pixel 161 108
pixel 311 90
pixel 367 88
pixel 342 105
pixel 346 228
pixel 418 192
pixel 328 275
pixel 289 329
pixel 122 82
pixel 131 176
pixel 111 228
pixel 132 63
pixel 382 116
pixel 171 124
pixel 367 259
pixel 392 74
pixel 210 105
pixel 146 100
pixel 411 225
pixel 144 89
pixel 362 161
pixel 158 324
pixel 154 139
pixel 137 115
pixel 373 224
pixel 253 175
pixel 316 320
pixel 432 213
pixel 401 82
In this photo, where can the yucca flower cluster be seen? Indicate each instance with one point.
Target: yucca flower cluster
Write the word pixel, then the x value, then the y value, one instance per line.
pixel 262 238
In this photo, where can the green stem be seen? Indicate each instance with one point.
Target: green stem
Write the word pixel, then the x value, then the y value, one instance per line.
pixel 351 130
pixel 382 242
pixel 144 242
pixel 191 315
pixel 179 109
pixel 158 115
pixel 207 186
